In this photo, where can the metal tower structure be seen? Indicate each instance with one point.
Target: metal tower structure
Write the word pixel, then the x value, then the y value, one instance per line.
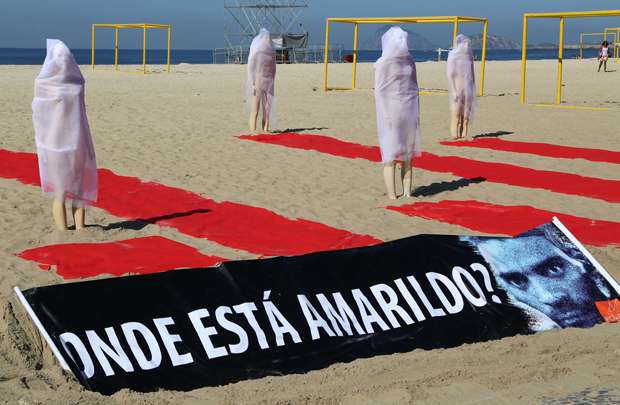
pixel 247 17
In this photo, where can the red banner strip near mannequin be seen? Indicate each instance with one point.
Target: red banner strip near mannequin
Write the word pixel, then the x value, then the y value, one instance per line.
pixel 239 226
pixel 151 254
pixel 510 219
pixel 540 149
pixel 565 183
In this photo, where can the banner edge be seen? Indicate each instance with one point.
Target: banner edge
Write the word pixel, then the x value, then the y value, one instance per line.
pixel 556 221
pixel 42 331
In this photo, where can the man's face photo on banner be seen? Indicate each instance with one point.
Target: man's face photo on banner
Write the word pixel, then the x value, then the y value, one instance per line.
pixel 544 273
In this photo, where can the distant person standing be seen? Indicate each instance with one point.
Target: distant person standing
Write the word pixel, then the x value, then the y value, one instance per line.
pixel 261 80
pixel 398 110
pixel 67 165
pixel 461 86
pixel 603 55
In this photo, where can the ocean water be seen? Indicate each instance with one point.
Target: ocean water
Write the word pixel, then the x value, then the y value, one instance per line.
pixel 32 56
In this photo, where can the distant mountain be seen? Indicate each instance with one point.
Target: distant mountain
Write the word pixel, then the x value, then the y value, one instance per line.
pixel 543 45
pixel 416 41
pixel 498 42
pixel 494 42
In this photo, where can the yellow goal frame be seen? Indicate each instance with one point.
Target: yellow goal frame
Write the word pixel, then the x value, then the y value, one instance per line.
pixel 603 34
pixel 455 20
pixel 144 27
pixel 561 16
pixel 615 31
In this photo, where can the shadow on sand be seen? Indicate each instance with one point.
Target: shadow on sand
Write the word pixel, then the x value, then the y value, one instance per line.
pixel 437 188
pixel 495 134
pixel 298 130
pixel 141 223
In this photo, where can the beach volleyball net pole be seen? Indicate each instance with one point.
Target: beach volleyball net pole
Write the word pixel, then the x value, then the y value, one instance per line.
pixel 561 16
pixel 356 22
pixel 616 32
pixel 144 27
pixel 602 34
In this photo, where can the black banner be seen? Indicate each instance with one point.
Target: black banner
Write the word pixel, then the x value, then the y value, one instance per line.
pixel 192 328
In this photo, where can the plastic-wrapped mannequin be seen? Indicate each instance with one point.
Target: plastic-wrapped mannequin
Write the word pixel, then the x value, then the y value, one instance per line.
pixel 461 86
pixel 67 164
pixel 398 111
pixel 261 80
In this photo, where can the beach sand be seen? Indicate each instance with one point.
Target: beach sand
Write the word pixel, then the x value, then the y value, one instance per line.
pixel 180 129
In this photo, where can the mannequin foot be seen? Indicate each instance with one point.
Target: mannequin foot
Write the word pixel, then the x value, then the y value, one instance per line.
pixel 389 171
pixel 59 227
pixel 60 215
pixel 79 215
pixel 454 127
pixel 465 133
pixel 252 121
pixel 407 178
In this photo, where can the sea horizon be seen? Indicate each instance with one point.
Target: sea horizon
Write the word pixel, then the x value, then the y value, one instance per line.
pixel 35 56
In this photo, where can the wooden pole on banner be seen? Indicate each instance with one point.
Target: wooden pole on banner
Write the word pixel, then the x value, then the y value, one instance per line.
pixel 41 329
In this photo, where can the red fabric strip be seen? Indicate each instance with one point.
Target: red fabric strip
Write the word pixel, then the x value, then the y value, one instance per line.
pixel 565 183
pixel 540 149
pixel 145 255
pixel 239 226
pixel 510 219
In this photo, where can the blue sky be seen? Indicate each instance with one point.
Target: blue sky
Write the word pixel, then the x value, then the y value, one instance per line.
pixel 199 24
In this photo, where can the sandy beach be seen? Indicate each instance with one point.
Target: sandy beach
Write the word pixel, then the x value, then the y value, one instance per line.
pixel 180 129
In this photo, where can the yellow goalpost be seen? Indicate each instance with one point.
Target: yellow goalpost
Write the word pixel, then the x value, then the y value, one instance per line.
pixel 144 27
pixel 589 34
pixel 561 16
pixel 614 31
pixel 454 20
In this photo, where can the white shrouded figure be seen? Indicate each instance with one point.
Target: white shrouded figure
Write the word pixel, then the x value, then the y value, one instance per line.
pixel 259 89
pixel 398 111
pixel 67 164
pixel 461 86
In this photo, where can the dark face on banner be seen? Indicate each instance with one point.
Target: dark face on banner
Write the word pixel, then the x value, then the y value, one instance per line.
pixel 537 273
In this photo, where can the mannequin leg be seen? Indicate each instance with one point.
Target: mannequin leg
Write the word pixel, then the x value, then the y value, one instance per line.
pixel 454 123
pixel 60 214
pixel 389 172
pixel 465 119
pixel 79 216
pixel 254 112
pixel 407 178
pixel 459 126
pixel 465 127
pixel 265 115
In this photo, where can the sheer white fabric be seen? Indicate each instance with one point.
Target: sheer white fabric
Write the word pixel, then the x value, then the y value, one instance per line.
pixel 396 98
pixel 262 75
pixel 67 164
pixel 461 79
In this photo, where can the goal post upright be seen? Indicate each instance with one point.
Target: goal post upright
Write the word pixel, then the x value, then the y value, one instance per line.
pixel 561 16
pixel 615 31
pixel 141 26
pixel 356 22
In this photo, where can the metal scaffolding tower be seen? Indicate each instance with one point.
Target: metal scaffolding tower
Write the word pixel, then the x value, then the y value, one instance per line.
pixel 247 17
